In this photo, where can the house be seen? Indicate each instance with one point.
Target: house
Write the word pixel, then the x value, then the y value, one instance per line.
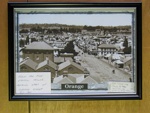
pixel 116 57
pixel 70 78
pixel 107 49
pixel 38 52
pixel 65 80
pixel 62 80
pixel 28 65
pixel 58 43
pixel 119 64
pixel 59 60
pixel 127 63
pixel 89 80
pixel 76 78
pixel 69 67
pixel 93 32
pixel 108 56
pixel 84 31
pixel 67 55
pixel 47 66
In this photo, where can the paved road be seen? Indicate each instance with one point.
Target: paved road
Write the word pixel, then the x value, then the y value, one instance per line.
pixel 101 70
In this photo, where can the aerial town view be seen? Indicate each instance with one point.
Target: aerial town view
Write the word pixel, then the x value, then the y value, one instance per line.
pixel 90 53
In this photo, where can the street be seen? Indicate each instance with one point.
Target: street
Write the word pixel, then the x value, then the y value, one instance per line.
pixel 100 70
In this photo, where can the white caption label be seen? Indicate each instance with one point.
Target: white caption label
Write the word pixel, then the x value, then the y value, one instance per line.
pixel 33 83
pixel 121 87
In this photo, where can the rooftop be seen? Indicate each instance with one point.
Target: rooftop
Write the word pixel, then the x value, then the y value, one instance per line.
pixel 89 80
pixel 30 63
pixel 62 59
pixel 76 75
pixel 62 80
pixel 39 46
pixel 67 63
pixel 107 46
pixel 127 59
pixel 76 78
pixel 57 79
pixel 47 62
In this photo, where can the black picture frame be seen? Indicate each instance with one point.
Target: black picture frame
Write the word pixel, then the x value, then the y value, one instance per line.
pixel 135 29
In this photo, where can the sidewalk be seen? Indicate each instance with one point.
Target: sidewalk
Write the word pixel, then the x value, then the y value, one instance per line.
pixel 111 64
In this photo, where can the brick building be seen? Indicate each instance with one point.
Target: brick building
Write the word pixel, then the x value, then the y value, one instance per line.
pixel 28 65
pixel 38 52
pixel 70 67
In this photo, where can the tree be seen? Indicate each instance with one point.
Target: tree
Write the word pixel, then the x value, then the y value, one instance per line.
pixel 85 27
pixel 69 49
pixel 127 50
pixel 21 42
pixel 125 44
pixel 27 40
pixel 24 31
pixel 33 40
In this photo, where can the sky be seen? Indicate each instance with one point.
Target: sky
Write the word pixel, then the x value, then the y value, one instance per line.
pixel 77 19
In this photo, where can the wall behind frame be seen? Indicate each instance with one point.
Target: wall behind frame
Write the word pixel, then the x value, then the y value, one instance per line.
pixel 109 106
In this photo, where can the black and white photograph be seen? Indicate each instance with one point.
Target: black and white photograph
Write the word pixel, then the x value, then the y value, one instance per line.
pixel 75 51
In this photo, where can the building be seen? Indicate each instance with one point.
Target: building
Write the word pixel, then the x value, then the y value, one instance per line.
pixel 93 32
pixel 47 66
pixel 89 80
pixel 61 80
pixel 70 67
pixel 104 49
pixel 38 52
pixel 75 78
pixel 28 65
pixel 59 60
pixel 59 44
pixel 119 64
pixel 127 63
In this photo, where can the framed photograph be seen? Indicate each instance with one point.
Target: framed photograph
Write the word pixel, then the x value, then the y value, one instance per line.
pixel 75 51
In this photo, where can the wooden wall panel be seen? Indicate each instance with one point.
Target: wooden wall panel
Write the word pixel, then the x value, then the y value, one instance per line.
pixel 84 0
pixel 17 0
pixel 99 106
pixel 145 103
pixel 5 105
pixel 145 22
